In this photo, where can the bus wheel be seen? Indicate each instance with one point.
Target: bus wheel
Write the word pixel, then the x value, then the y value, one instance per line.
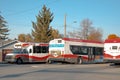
pixel 79 60
pixel 49 61
pixel 19 61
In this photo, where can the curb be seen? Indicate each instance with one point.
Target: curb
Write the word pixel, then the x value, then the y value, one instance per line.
pixel 2 62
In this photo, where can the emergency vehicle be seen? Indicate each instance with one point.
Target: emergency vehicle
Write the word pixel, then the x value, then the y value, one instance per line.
pixel 28 52
pixel 112 50
pixel 75 51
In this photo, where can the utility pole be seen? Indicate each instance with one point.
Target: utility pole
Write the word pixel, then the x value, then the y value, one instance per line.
pixel 65 25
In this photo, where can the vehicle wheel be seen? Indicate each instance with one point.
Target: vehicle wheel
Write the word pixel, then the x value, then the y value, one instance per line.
pixel 116 63
pixel 79 60
pixel 49 62
pixel 19 61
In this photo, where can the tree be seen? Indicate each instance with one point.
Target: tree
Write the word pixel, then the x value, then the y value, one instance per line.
pixel 25 38
pixel 74 34
pixel 85 28
pixel 29 38
pixel 3 29
pixel 112 36
pixel 95 34
pixel 41 29
pixel 55 34
pixel 21 37
pixel 87 32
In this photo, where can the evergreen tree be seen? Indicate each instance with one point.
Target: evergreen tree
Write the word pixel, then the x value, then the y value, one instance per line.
pixel 41 29
pixel 3 29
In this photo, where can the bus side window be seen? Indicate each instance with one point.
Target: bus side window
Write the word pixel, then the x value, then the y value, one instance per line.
pixel 37 49
pixel 98 51
pixel 74 49
pixel 44 49
pixel 84 50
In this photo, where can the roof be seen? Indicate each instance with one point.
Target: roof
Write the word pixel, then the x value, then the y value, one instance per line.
pixel 7 44
pixel 116 40
pixel 81 40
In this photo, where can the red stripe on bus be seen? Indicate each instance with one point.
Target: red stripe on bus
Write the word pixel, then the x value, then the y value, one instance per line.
pixel 22 55
pixel 38 58
pixel 25 44
pixel 117 40
pixel 107 56
pixel 32 57
pixel 80 40
pixel 118 57
pixel 70 56
pixel 110 56
pixel 43 44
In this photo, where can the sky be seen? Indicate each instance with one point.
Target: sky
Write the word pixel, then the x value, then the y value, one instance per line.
pixel 20 14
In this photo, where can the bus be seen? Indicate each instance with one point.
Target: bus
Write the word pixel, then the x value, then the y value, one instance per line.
pixel 112 50
pixel 75 51
pixel 28 52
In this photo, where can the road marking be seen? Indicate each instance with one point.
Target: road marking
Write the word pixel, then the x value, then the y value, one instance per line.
pixel 34 66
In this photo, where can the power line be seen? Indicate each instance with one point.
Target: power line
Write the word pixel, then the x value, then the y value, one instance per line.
pixel 25 11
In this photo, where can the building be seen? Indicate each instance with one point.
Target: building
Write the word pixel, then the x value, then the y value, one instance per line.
pixel 6 47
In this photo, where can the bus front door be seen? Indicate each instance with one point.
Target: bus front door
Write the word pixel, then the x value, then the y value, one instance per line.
pixel 90 55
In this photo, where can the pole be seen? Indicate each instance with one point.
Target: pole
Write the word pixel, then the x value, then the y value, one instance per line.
pixel 65 25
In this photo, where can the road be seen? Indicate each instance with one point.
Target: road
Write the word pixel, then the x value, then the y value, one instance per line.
pixel 59 72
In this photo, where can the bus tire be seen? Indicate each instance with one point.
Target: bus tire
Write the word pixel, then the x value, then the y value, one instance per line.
pixel 49 62
pixel 19 61
pixel 79 60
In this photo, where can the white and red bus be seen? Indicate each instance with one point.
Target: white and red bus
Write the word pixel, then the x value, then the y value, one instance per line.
pixel 28 52
pixel 75 50
pixel 112 50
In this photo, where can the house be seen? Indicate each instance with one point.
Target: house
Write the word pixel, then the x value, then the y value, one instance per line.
pixel 6 47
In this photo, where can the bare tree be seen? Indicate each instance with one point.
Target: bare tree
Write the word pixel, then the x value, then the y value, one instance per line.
pixel 85 28
pixel 75 34
pixel 87 32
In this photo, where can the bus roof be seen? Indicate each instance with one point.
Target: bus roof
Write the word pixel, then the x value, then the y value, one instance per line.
pixel 80 40
pixel 117 40
pixel 26 44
